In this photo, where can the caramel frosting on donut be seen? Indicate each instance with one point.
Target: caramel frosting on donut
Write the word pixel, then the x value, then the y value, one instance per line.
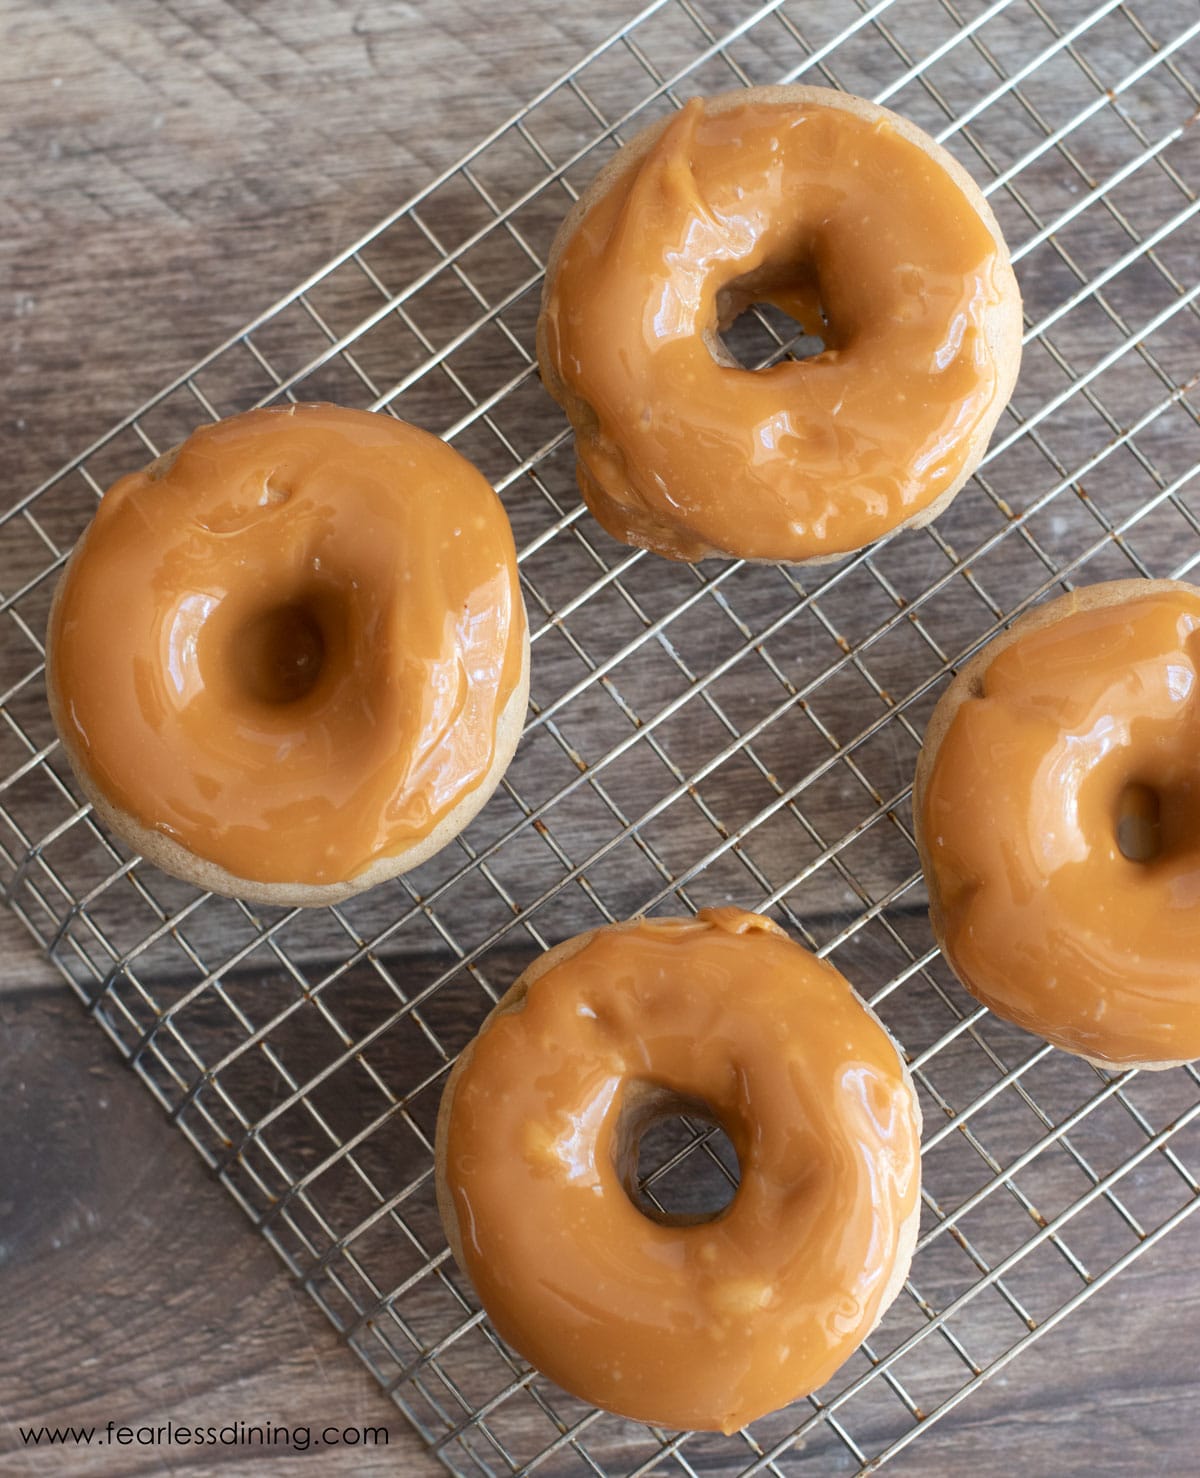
pixel 1059 819
pixel 683 1322
pixel 286 645
pixel 821 205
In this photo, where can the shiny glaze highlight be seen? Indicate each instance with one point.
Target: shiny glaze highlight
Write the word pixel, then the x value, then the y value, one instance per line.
pixel 707 1325
pixel 1082 726
pixel 806 207
pixel 287 645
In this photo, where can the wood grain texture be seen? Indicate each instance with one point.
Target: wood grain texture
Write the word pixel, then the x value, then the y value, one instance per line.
pixel 131 1287
pixel 170 169
pixel 166 170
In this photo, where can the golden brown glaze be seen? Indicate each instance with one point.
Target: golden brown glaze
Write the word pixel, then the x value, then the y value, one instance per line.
pixel 810 200
pixel 687 1325
pixel 287 645
pixel 1060 826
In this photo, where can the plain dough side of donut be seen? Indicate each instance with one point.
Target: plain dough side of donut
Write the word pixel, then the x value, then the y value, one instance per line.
pixel 513 1000
pixel 969 683
pixel 164 852
pixel 1003 329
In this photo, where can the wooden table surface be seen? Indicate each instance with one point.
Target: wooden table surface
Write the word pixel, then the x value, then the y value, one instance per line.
pixel 166 169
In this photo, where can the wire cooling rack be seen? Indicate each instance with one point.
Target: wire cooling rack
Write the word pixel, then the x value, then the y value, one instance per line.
pixel 696 735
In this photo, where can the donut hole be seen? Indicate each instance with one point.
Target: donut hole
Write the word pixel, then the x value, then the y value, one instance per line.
pixel 279 653
pixel 769 316
pixel 676 1162
pixel 1139 822
pixel 762 334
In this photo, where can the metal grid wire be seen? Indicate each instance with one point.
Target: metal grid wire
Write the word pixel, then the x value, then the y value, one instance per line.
pixel 696 735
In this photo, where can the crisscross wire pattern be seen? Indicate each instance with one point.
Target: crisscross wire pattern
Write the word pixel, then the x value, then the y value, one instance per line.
pixel 696 735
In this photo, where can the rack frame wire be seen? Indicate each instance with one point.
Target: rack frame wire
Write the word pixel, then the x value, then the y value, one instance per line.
pixel 696 734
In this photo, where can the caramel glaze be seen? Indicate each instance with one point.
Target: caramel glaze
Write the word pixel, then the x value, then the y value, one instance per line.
pixel 287 645
pixel 1082 726
pixel 687 1325
pixel 814 207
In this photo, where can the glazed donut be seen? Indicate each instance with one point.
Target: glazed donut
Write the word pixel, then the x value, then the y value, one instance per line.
pixel 1057 810
pixel 685 1322
pixel 843 215
pixel 289 659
